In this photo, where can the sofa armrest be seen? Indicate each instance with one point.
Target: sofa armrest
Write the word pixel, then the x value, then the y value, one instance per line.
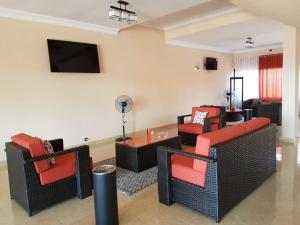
pixel 180 119
pixel 57 144
pixel 207 123
pixel 187 154
pixel 164 178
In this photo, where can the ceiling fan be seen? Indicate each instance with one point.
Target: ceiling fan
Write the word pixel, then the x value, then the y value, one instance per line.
pixel 249 43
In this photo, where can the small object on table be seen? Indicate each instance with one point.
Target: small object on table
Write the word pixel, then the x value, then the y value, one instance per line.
pixel 247 114
pixel 148 135
pixel 162 135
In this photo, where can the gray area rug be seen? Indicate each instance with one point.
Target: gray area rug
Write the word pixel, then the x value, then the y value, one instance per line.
pixel 129 182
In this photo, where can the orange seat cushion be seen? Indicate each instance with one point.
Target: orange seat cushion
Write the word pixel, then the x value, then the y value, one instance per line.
pixel 36 148
pixel 192 128
pixel 182 169
pixel 65 166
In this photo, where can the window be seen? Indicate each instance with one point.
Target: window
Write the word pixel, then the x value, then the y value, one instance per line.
pixel 247 67
pixel 270 76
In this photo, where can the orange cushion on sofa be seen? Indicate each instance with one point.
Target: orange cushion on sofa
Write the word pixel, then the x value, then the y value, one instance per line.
pixel 194 171
pixel 255 124
pixel 35 147
pixel 182 169
pixel 192 128
pixel 65 166
pixel 205 141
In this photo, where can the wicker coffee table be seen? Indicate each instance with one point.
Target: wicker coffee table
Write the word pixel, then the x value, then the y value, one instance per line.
pixel 139 154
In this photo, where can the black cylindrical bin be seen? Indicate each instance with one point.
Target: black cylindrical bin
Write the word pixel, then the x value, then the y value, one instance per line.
pixel 247 114
pixel 105 195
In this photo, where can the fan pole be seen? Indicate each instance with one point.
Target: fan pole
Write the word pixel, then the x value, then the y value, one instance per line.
pixel 124 138
pixel 123 116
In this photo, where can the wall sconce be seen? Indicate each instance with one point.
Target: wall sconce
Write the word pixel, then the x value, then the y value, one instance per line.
pixel 196 67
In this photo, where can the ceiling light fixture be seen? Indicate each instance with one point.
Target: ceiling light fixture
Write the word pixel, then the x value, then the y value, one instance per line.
pixel 121 13
pixel 249 43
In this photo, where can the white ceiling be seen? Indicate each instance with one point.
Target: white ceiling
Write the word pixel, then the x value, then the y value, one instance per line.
pixel 96 11
pixel 287 11
pixel 207 9
pixel 231 38
pixel 162 14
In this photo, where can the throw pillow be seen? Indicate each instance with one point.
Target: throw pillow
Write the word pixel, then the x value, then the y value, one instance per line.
pixel 49 150
pixel 199 117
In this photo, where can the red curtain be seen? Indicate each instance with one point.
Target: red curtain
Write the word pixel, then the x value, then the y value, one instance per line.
pixel 270 77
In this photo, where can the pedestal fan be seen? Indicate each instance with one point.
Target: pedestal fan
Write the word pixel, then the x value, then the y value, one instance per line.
pixel 123 105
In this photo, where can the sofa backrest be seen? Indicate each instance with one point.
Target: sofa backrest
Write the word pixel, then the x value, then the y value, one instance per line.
pixel 207 140
pixel 36 148
pixel 212 111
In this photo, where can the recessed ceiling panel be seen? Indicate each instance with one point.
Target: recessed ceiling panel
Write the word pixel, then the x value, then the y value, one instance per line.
pixel 232 37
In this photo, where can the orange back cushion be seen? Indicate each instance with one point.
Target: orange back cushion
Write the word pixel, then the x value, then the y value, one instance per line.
pixel 36 148
pixel 205 141
pixel 211 112
pixel 255 124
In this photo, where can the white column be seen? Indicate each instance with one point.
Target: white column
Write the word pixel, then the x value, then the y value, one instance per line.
pixel 290 84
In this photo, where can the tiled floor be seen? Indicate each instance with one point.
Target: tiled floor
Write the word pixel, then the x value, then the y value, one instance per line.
pixel 277 201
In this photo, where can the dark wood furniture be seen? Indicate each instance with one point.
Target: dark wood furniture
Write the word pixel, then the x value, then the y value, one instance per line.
pixel 235 169
pixel 24 183
pixel 139 154
pixel 248 114
pixel 234 115
pixel 267 109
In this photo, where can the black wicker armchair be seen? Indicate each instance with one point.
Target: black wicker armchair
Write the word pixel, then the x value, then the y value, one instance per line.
pixel 215 120
pixel 25 185
pixel 270 109
pixel 234 169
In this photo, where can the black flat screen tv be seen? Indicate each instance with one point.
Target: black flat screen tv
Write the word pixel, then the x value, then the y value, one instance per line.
pixel 211 63
pixel 73 57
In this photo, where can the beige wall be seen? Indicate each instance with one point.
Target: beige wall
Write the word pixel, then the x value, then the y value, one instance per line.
pixel 158 77
pixel 260 52
pixel 290 84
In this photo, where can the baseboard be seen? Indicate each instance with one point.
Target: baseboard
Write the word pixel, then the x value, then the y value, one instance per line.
pixel 112 139
pixel 3 165
pixel 288 140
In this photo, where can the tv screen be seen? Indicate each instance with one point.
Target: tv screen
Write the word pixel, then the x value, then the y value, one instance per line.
pixel 211 64
pixel 73 57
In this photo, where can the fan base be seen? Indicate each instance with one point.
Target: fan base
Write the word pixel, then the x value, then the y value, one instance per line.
pixel 122 139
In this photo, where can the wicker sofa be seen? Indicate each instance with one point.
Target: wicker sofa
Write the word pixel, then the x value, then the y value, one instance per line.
pixel 225 167
pixel 268 109
pixel 35 192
